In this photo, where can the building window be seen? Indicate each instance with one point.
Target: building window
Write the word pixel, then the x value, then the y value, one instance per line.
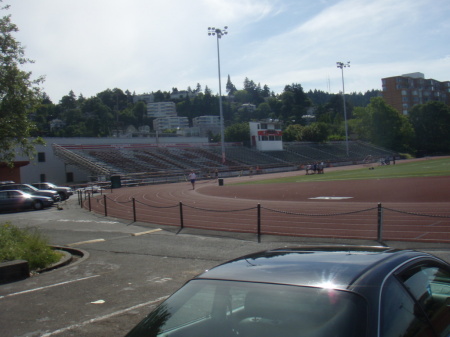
pixel 69 177
pixel 41 157
pixel 42 178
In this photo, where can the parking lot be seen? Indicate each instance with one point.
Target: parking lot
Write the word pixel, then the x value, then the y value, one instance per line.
pixel 126 269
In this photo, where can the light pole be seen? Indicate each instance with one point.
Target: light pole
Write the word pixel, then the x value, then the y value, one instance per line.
pixel 343 65
pixel 212 31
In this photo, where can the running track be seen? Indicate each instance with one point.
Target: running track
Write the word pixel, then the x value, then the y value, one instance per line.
pixel 414 209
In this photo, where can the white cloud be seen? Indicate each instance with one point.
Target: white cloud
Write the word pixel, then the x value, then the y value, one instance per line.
pixel 148 45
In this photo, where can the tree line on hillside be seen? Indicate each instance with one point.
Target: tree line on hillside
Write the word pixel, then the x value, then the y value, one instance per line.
pixel 27 113
pixel 97 116
pixel 313 116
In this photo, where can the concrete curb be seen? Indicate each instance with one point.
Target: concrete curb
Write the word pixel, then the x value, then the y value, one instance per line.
pixel 17 270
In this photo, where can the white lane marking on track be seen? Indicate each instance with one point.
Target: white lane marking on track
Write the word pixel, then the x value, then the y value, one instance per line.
pixel 97 319
pixel 49 286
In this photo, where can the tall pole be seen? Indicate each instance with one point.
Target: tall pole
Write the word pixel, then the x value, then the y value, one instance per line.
pixel 343 65
pixel 219 33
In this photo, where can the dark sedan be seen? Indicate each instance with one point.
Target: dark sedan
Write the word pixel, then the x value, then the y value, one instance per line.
pixel 11 200
pixel 340 291
pixel 63 191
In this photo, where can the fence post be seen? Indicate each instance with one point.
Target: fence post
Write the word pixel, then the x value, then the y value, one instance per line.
pixel 259 222
pixel 134 210
pixel 380 223
pixel 106 208
pixel 181 215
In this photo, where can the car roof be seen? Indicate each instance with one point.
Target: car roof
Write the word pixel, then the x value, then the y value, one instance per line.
pixel 323 266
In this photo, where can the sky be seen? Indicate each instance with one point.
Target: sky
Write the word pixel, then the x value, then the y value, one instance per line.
pixel 143 46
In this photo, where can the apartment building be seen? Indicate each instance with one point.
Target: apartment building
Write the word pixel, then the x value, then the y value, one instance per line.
pixel 147 98
pixel 405 91
pixel 161 109
pixel 164 123
pixel 206 124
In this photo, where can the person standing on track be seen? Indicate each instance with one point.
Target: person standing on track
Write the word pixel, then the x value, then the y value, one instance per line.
pixel 192 178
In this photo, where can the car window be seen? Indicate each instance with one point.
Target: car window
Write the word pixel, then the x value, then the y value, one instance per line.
pixel 430 286
pixel 205 308
pixel 399 317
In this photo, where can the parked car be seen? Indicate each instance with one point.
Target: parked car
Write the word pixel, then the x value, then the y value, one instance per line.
pixel 64 192
pixel 343 291
pixel 11 200
pixel 31 190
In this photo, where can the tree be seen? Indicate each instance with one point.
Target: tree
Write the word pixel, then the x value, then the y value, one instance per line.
pixel 293 133
pixel 231 89
pixel 68 101
pixel 295 102
pixel 19 96
pixel 382 125
pixel 239 132
pixel 431 123
pixel 315 132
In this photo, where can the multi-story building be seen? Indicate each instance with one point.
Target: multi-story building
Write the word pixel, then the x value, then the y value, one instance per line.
pixel 205 124
pixel 249 107
pixel 161 109
pixel 182 94
pixel 405 91
pixel 147 98
pixel 164 123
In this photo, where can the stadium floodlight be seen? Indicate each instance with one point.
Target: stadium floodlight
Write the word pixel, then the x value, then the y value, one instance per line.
pixel 343 65
pixel 212 31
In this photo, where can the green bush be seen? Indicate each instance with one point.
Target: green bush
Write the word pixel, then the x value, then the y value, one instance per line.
pixel 26 244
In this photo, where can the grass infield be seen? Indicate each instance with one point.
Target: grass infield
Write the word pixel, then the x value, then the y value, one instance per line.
pixel 421 168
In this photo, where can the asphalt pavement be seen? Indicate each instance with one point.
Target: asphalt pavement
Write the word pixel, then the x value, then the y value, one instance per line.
pixel 124 270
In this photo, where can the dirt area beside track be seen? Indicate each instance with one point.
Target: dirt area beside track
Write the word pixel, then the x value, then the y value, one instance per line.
pixel 419 189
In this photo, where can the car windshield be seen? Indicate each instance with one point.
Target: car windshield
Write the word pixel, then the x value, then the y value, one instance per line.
pixel 49 185
pixel 203 308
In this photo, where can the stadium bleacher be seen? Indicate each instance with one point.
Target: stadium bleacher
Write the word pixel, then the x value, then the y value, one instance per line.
pixel 179 159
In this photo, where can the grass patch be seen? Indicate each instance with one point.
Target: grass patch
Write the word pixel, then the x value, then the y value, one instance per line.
pixel 422 168
pixel 26 244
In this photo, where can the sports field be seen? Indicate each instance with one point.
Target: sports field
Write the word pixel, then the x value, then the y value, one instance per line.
pixel 344 202
pixel 417 168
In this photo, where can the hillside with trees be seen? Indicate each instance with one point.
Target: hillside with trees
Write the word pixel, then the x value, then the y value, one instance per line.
pixel 314 116
pixel 27 113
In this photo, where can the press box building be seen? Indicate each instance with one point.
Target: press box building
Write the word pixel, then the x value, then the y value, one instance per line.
pixel 266 135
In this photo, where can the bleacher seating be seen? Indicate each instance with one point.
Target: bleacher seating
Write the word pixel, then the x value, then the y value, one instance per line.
pixel 142 158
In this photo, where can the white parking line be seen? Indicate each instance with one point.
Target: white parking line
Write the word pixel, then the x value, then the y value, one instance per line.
pixel 93 320
pixel 147 232
pixel 46 287
pixel 85 242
